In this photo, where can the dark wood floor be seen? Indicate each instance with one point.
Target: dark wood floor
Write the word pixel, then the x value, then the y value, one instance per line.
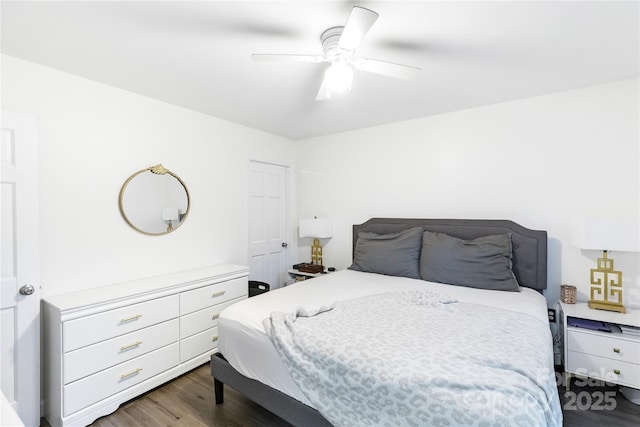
pixel 588 404
pixel 188 402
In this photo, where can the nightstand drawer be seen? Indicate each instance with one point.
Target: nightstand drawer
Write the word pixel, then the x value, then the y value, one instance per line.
pixel 94 358
pixel 622 373
pixel 599 344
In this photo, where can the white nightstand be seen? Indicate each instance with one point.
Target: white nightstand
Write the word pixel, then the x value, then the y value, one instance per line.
pixel 299 275
pixel 613 357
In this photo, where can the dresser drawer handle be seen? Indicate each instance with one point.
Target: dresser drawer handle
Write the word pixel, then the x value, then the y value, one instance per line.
pixel 616 371
pixel 127 347
pixel 214 339
pixel 215 316
pixel 616 350
pixel 130 319
pixel 218 294
pixel 125 376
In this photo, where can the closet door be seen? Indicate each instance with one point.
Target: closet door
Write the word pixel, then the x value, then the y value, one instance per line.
pixel 268 217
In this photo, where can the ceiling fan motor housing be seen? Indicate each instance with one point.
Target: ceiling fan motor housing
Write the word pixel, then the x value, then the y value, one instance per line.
pixel 332 50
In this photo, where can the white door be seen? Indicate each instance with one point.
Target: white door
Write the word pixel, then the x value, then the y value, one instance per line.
pixel 268 187
pixel 20 288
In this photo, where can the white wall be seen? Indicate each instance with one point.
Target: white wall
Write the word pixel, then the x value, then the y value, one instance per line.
pixel 92 137
pixel 540 162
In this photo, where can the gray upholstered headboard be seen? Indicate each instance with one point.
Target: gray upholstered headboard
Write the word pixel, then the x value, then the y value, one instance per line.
pixel 529 246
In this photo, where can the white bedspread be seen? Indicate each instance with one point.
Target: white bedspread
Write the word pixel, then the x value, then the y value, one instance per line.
pixel 419 358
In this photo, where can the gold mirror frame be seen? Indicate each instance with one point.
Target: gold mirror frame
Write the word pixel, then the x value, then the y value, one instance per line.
pixel 142 213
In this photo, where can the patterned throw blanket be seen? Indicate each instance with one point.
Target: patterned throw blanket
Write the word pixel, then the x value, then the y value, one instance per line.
pixel 419 358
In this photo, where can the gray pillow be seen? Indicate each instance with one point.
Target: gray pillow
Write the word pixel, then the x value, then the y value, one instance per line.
pixel 396 254
pixel 484 262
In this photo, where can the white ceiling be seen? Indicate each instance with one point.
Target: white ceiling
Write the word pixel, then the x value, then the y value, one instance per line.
pixel 197 54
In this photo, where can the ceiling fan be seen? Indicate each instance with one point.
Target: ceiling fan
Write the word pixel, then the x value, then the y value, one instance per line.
pixel 339 45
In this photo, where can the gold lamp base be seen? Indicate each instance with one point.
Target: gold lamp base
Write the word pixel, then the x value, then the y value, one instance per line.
pixel 316 253
pixel 606 286
pixel 597 305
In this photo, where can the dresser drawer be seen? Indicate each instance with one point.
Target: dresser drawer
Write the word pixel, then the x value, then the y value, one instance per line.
pixel 200 298
pixel 195 345
pixel 610 346
pixel 92 389
pixel 91 359
pixel 619 372
pixel 99 327
pixel 200 320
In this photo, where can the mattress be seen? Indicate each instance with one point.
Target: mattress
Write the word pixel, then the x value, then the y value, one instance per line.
pixel 246 346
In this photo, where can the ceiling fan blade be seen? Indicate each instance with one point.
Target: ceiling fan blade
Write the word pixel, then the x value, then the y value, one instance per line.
pixel 324 93
pixel 386 68
pixel 359 22
pixel 287 57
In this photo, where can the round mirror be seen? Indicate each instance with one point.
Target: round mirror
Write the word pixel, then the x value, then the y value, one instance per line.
pixel 154 201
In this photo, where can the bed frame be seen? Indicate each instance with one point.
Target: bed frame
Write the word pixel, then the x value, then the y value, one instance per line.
pixel 529 266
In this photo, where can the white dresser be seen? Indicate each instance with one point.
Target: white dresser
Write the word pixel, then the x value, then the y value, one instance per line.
pixel 106 345
pixel 613 357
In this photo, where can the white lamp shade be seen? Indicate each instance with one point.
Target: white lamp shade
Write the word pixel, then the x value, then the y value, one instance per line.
pixel 606 234
pixel 319 228
pixel 339 77
pixel 170 214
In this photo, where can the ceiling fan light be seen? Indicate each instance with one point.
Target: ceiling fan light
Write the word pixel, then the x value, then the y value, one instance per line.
pixel 339 77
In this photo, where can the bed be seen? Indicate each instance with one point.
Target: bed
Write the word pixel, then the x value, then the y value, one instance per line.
pixel 390 341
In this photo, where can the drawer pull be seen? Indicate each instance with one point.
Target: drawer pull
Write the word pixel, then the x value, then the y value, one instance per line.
pixel 130 319
pixel 616 350
pixel 218 294
pixel 125 376
pixel 127 347
pixel 214 339
pixel 616 371
pixel 215 316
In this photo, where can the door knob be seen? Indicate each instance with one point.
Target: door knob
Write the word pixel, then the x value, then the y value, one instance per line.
pixel 27 290
pixel 285 244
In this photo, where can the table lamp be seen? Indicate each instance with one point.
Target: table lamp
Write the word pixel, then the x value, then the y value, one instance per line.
pixel 316 228
pixel 606 234
pixel 169 215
